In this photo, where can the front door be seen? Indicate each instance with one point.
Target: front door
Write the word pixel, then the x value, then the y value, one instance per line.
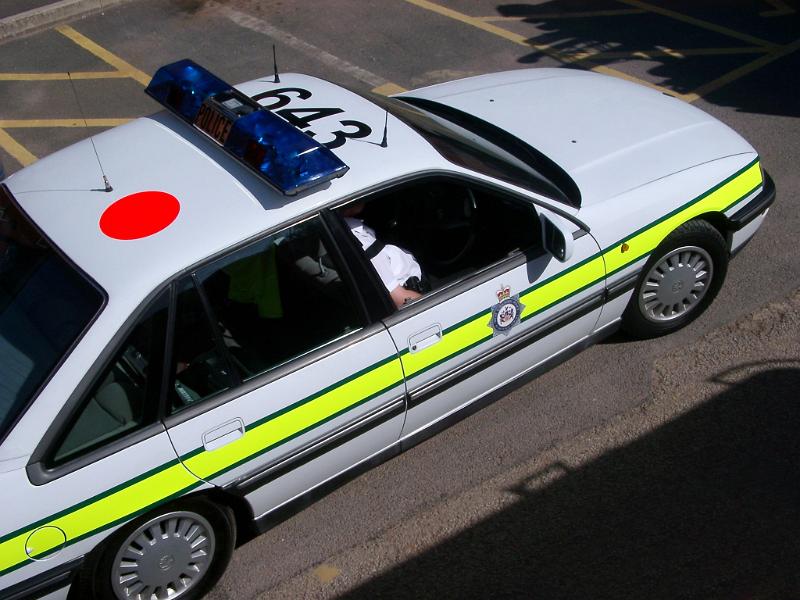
pixel 495 304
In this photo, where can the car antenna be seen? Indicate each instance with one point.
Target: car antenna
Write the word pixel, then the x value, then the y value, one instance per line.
pixel 384 142
pixel 107 186
pixel 275 65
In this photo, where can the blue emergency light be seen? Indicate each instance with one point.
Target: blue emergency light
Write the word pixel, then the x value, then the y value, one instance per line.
pixel 287 158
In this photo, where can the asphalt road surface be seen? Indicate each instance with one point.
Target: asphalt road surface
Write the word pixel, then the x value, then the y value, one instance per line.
pixel 663 468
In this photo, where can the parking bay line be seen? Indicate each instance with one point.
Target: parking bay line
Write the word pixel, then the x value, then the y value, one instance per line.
pixel 63 76
pixel 19 152
pixel 672 52
pixel 123 70
pixel 543 48
pixel 780 9
pixel 746 69
pixel 745 37
pixel 103 54
pixel 578 14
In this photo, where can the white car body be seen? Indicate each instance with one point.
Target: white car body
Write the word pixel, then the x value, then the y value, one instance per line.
pixel 644 164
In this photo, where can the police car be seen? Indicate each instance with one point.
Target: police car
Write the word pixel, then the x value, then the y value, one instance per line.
pixel 194 343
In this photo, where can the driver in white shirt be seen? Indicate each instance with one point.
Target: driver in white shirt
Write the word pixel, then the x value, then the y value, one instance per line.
pixel 394 265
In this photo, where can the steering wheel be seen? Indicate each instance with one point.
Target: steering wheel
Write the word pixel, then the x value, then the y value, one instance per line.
pixel 447 229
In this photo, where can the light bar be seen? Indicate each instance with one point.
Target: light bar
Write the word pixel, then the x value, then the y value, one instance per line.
pixel 183 86
pixel 284 156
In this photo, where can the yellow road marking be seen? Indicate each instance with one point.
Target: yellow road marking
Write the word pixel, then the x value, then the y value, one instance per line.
pixel 62 76
pixel 714 85
pixel 682 53
pixel 15 149
pixel 620 75
pixel 326 573
pixel 387 89
pixel 543 48
pixel 697 22
pixel 780 9
pixel 29 123
pixel 103 54
pixel 580 14
pixel 476 22
pixel 670 52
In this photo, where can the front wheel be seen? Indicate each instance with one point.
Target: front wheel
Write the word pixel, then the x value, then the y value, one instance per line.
pixel 176 552
pixel 679 281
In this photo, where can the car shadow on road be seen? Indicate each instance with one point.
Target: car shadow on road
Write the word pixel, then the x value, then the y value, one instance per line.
pixel 767 89
pixel 705 506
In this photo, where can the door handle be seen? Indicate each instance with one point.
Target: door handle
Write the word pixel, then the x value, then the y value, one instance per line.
pixel 425 338
pixel 223 434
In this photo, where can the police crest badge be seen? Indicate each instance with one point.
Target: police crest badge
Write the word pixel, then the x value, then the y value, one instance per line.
pixel 507 312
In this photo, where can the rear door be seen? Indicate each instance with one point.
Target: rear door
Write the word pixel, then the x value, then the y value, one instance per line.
pixel 286 384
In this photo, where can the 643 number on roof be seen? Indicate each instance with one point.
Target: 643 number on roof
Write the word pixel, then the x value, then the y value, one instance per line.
pixel 303 117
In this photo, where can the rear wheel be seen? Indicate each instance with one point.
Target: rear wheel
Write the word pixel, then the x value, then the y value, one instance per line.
pixel 679 281
pixel 176 552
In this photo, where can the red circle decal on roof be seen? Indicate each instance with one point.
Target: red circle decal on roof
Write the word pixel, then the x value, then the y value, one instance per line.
pixel 139 215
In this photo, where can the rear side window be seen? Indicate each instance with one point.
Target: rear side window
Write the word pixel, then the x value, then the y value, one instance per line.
pixel 201 369
pixel 45 304
pixel 279 298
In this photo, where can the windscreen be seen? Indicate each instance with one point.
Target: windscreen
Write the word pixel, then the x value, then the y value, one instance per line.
pixel 475 144
pixel 45 304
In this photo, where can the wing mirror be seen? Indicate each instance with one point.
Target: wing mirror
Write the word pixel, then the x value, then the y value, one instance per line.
pixel 557 236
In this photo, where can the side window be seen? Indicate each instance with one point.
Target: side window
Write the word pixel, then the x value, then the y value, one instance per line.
pixel 279 298
pixel 125 397
pixel 200 368
pixel 450 230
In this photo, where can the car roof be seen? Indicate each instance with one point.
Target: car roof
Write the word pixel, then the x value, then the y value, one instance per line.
pixel 222 202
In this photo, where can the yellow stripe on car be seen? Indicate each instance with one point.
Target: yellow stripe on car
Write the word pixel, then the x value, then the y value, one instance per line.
pixel 553 291
pixel 718 200
pixel 454 340
pixel 110 508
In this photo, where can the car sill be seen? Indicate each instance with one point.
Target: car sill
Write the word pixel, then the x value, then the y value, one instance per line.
pixel 44 583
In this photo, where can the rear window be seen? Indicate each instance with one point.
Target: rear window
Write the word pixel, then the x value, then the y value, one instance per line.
pixel 45 305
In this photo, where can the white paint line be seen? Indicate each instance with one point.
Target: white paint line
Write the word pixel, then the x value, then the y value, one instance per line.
pixel 45 16
pixel 780 9
pixel 259 26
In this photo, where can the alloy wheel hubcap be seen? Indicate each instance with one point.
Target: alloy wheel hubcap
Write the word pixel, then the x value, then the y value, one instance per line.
pixel 164 558
pixel 676 284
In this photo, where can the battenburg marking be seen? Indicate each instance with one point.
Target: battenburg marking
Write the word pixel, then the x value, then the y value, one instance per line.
pixel 506 313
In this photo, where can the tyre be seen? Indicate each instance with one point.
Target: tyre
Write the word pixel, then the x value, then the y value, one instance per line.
pixel 178 552
pixel 679 281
